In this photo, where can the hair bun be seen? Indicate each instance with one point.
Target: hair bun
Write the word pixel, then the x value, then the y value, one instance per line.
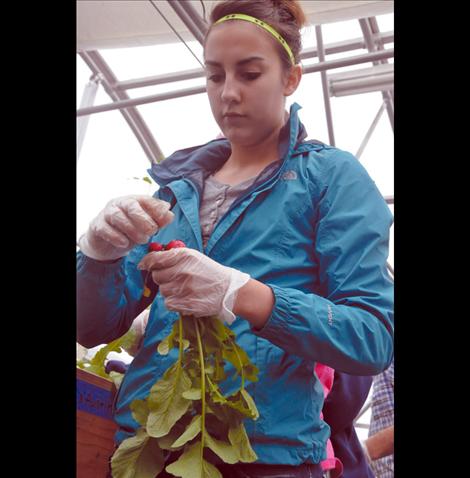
pixel 292 7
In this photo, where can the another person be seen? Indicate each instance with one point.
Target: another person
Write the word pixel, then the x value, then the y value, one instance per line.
pixel 379 446
pixel 342 405
pixel 287 242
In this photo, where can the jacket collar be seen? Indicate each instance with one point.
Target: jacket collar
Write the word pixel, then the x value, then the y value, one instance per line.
pixel 204 159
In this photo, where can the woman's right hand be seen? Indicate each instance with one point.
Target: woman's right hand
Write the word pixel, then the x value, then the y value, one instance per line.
pixel 123 223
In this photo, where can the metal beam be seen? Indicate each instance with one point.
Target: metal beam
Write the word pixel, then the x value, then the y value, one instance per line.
pixel 347 45
pixel 379 42
pixel 193 14
pixel 98 65
pixel 88 98
pixel 352 60
pixel 362 80
pixel 182 9
pixel 370 131
pixel 142 101
pixel 332 48
pixel 376 35
pixel 368 37
pixel 324 84
pixel 327 65
pixel 160 79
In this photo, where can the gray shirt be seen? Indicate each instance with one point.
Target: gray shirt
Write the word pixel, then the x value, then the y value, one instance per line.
pixel 217 198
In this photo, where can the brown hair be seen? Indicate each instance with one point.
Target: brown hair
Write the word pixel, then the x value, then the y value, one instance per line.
pixel 285 16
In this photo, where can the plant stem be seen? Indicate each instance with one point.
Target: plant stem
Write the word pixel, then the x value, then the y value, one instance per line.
pixel 180 334
pixel 241 365
pixel 215 389
pixel 242 373
pixel 203 386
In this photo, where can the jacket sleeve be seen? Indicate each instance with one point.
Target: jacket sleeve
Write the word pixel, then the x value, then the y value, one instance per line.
pixel 109 297
pixel 348 324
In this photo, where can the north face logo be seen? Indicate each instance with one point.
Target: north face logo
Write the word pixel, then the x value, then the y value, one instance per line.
pixel 289 175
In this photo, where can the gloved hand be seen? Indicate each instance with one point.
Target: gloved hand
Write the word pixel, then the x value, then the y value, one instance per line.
pixel 138 327
pixel 194 284
pixel 123 223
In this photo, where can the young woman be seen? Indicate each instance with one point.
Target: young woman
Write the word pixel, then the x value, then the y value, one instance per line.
pixel 289 237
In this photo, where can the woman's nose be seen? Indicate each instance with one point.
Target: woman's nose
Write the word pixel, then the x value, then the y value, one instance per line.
pixel 231 90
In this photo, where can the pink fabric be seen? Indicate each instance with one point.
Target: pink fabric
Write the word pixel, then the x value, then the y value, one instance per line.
pixel 326 376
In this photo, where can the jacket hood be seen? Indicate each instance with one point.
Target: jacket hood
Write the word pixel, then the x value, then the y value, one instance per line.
pixel 204 159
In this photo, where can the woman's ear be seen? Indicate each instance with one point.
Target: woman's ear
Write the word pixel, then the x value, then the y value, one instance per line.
pixel 293 79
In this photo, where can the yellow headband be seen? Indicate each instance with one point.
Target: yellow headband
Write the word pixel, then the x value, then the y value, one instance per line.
pixel 256 21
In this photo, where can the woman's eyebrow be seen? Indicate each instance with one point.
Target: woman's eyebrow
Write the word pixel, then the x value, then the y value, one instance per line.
pixel 241 62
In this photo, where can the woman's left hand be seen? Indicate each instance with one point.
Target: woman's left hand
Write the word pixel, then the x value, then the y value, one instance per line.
pixel 194 284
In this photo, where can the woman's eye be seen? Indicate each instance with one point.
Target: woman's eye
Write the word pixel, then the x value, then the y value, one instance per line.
pixel 251 75
pixel 248 76
pixel 215 78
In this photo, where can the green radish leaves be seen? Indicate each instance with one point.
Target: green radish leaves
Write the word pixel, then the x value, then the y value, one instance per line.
pixel 186 409
pixel 137 457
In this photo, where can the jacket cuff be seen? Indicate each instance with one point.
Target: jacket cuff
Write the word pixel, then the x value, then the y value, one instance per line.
pixel 278 321
pixel 86 265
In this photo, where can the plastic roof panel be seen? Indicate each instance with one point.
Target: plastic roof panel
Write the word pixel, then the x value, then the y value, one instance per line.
pixel 127 23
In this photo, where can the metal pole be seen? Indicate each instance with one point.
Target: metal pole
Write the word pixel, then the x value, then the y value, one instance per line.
pixel 197 19
pixel 366 31
pixel 370 131
pixel 160 79
pixel 98 65
pixel 343 46
pixel 379 45
pixel 377 37
pixel 142 101
pixel 324 83
pixel 88 98
pixel 352 60
pixel 187 20
pixel 333 48
pixel 343 85
pixel 201 89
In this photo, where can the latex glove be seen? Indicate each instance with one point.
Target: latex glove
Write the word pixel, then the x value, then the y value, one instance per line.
pixel 194 284
pixel 138 327
pixel 123 223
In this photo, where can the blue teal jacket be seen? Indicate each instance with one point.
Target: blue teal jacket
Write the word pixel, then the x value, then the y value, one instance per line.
pixel 316 231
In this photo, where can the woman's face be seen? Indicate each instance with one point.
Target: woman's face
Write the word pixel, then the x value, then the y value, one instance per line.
pixel 246 84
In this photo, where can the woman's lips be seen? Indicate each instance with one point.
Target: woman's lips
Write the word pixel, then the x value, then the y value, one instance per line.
pixel 233 117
